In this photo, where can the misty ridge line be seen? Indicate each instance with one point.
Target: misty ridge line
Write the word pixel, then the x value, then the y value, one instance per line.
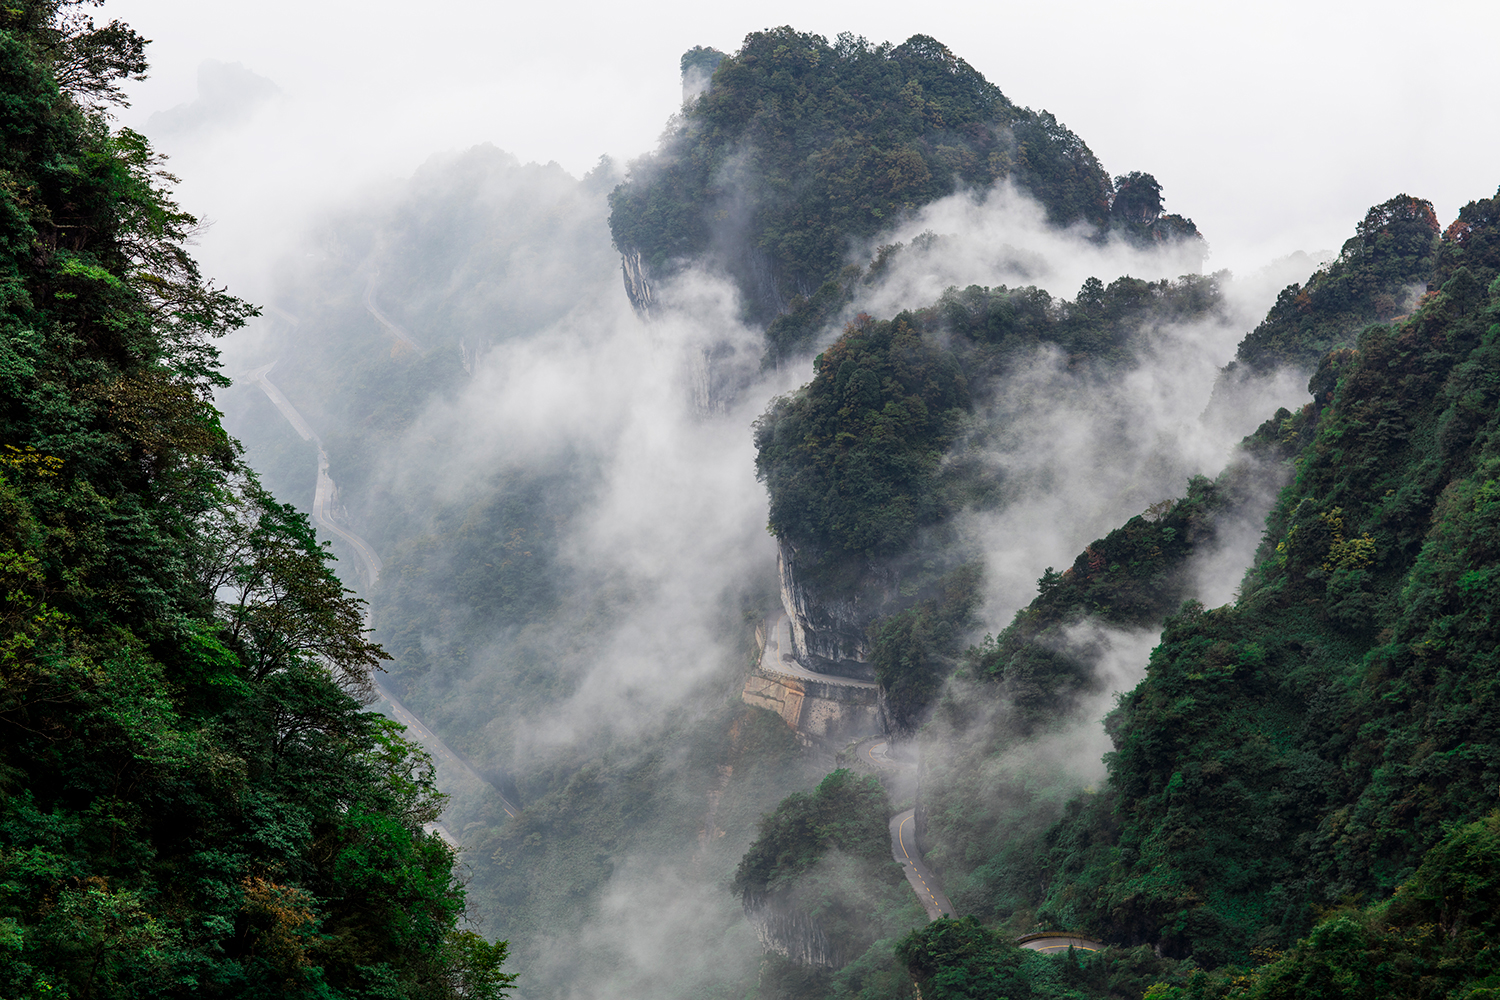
pixel 522 369
pixel 928 564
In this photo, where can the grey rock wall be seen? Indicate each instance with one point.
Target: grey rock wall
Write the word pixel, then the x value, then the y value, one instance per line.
pixel 786 930
pixel 828 634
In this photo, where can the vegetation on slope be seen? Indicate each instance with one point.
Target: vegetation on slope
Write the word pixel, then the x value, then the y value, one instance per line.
pixel 192 800
pixel 859 460
pixel 868 464
pixel 1341 709
pixel 801 149
pixel 820 880
pixel 1377 274
pixel 1313 742
pixel 1434 937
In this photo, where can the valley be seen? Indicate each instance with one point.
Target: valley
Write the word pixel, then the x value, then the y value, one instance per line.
pixel 857 548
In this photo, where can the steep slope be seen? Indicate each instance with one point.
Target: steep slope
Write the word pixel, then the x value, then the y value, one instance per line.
pixel 194 801
pixel 1310 742
pixel 871 464
pixel 799 150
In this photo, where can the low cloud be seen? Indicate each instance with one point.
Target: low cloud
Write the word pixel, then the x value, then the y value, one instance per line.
pixel 228 94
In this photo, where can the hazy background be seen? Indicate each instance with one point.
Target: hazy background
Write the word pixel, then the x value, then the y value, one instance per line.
pixel 1274 128
pixel 1273 125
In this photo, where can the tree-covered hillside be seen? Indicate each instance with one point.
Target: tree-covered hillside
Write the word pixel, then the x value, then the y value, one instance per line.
pixel 801 149
pixel 1309 745
pixel 193 801
pixel 869 466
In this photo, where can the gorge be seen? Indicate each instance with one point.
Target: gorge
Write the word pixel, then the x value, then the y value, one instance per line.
pixel 858 547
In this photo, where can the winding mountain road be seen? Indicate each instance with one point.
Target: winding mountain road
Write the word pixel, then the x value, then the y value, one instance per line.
pixel 778 658
pixel 370 565
pixel 923 882
pixel 323 495
pixel 876 751
pixel 1051 944
pixel 384 320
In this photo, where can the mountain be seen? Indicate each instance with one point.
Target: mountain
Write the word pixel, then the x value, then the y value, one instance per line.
pixel 1323 742
pixel 889 348
pixel 799 150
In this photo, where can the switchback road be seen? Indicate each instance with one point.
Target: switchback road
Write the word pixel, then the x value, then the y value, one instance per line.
pixel 322 512
pixel 1052 943
pixel 371 565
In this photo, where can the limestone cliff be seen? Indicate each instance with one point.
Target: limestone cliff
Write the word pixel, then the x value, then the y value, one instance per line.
pixel 785 929
pixel 637 282
pixel 828 633
pixel 824 709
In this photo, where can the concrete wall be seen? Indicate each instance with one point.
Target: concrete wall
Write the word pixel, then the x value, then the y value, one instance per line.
pixel 832 714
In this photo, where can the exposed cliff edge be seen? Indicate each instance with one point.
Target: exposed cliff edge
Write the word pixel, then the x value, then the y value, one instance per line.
pixel 825 710
pixel 786 929
pixel 828 634
pixel 637 282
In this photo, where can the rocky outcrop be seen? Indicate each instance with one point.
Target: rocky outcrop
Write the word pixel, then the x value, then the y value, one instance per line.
pixel 824 709
pixel 828 635
pixel 637 282
pixel 786 930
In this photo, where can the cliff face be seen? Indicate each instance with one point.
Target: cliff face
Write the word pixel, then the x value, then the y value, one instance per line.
pixel 828 635
pixel 785 929
pixel 637 282
pixel 823 710
pixel 831 713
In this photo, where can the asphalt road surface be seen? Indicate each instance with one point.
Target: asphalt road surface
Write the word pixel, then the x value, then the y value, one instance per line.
pixel 778 658
pixel 1053 943
pixel 923 882
pixel 876 751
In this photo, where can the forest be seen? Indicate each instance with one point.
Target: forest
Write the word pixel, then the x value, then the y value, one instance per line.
pixel 195 800
pixel 1175 600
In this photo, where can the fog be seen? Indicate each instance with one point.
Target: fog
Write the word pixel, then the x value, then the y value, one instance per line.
pixel 1271 125
pixel 1076 456
pixel 502 274
pixel 341 157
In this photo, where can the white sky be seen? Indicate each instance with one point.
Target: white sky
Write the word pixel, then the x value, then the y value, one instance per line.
pixel 1274 125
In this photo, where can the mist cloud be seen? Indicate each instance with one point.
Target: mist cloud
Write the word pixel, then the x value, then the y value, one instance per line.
pixel 228 95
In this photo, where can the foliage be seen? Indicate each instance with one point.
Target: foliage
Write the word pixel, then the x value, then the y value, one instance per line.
pixel 193 803
pixel 1433 938
pixel 846 812
pixel 1390 256
pixel 915 650
pixel 861 459
pixel 851 462
pixel 1136 212
pixel 962 959
pixel 803 148
pixel 821 868
pixel 1312 741
pixel 1472 242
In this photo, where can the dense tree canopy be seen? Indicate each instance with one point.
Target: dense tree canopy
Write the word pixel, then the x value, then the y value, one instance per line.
pixel 803 147
pixel 194 801
pixel 1312 742
pixel 1376 276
